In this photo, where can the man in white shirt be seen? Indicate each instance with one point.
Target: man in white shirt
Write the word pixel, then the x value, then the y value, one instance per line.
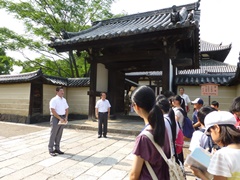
pixel 102 113
pixel 59 115
pixel 186 99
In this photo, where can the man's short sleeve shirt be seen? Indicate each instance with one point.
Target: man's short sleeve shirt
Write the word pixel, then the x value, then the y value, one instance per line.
pixel 186 99
pixel 102 106
pixel 59 104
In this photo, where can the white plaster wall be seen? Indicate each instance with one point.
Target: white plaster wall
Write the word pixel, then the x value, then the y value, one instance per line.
pixel 15 99
pixel 78 100
pixel 225 96
pixel 49 91
pixel 102 78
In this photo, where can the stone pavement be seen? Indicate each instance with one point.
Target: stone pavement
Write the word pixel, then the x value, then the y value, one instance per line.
pixel 26 156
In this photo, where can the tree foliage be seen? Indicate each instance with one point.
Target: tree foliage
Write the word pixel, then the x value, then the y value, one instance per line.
pixel 44 19
pixel 6 63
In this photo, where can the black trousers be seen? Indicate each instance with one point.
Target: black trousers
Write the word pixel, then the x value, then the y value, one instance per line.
pixel 102 123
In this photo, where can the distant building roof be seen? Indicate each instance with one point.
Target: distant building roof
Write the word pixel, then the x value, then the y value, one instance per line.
pixel 31 76
pixel 217 52
pixel 210 67
pixel 207 46
pixel 210 71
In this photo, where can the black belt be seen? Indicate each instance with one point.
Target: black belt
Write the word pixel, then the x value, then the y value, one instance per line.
pixel 102 112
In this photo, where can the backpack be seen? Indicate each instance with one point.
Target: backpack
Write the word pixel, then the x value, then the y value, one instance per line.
pixel 209 144
pixel 179 139
pixel 176 172
pixel 187 125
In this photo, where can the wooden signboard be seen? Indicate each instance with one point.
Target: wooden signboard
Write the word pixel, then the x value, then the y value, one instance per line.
pixel 209 89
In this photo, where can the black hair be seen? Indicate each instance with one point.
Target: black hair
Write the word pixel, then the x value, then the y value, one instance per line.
pixel 181 102
pixel 103 93
pixel 203 111
pixel 144 97
pixel 215 103
pixel 181 88
pixel 165 106
pixel 168 94
pixel 229 134
pixel 235 107
pixel 58 88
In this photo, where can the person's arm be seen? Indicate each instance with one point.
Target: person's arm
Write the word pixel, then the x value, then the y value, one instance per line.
pixel 96 112
pixel 197 172
pixel 109 112
pixel 136 168
pixel 56 115
pixel 196 125
pixel 66 115
pixel 189 105
pixel 219 178
pixel 205 176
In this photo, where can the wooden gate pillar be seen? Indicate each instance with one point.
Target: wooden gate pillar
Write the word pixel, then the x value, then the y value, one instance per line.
pixel 92 91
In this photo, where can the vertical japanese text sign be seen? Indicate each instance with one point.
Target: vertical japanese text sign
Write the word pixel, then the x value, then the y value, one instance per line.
pixel 209 89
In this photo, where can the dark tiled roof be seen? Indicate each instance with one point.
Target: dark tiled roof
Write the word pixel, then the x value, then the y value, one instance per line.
pixel 28 77
pixel 152 21
pixel 195 79
pixel 24 77
pixel 57 80
pixel 206 46
pixel 79 82
pixel 217 52
pixel 209 71
pixel 210 67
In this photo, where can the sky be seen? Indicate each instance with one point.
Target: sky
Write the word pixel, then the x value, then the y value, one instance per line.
pixel 218 21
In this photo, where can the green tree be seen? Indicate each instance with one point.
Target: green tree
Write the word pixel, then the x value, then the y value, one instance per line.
pixel 44 19
pixel 6 63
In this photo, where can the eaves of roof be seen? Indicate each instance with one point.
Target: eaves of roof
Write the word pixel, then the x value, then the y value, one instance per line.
pixel 147 22
pixel 59 81
pixel 206 46
pixel 24 77
pixel 206 67
pixel 221 79
pixel 210 67
pixel 210 71
pixel 236 79
pixel 79 82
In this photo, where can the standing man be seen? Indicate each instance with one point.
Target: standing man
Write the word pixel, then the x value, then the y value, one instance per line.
pixel 197 104
pixel 186 99
pixel 102 113
pixel 59 116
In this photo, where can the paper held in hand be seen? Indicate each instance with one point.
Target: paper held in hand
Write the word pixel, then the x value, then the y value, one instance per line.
pixel 62 123
pixel 199 158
